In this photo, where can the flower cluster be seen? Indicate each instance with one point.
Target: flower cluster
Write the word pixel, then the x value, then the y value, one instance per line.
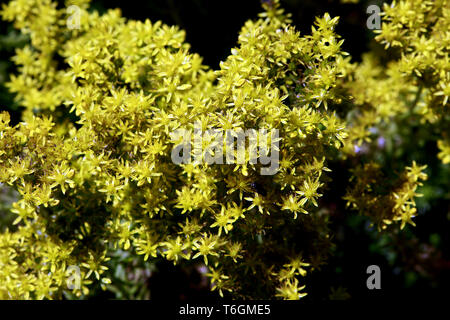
pixel 383 200
pixel 413 81
pixel 91 158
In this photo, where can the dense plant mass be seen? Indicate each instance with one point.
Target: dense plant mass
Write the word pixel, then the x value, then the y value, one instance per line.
pixel 92 162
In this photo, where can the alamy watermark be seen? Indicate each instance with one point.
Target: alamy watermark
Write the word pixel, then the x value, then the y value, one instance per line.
pixel 74 19
pixel 374 280
pixel 374 20
pixel 238 146
pixel 73 280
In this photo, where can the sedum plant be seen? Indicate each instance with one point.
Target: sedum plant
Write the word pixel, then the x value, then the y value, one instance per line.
pixel 92 159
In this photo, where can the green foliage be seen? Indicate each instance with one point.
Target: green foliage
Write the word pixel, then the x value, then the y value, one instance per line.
pixel 91 158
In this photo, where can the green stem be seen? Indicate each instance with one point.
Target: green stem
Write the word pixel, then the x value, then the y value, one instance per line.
pixel 418 94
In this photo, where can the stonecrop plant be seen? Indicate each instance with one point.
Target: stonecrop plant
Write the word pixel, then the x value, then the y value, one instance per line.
pixel 91 158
